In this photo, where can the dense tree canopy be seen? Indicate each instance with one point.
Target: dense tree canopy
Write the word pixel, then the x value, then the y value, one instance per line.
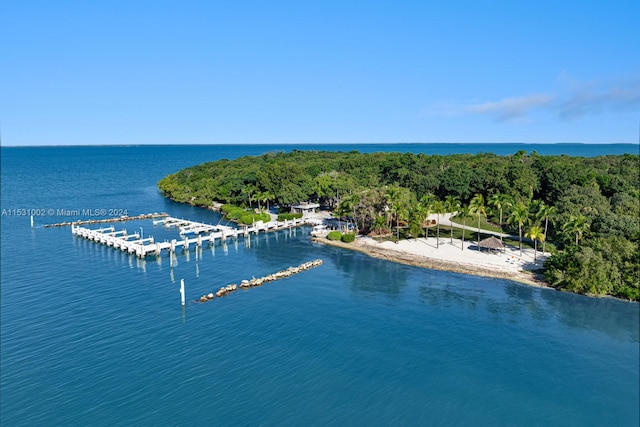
pixel 586 207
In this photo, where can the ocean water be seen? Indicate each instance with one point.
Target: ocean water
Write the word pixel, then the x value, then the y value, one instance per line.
pixel 92 336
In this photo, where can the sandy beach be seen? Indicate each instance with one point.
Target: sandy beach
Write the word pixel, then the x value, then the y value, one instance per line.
pixel 447 255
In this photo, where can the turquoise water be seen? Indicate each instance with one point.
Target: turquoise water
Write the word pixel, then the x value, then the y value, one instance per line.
pixel 92 336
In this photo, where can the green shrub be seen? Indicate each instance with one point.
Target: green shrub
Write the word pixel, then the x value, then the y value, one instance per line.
pixel 246 219
pixel 264 217
pixel 243 216
pixel 236 213
pixel 227 207
pixel 289 216
pixel 334 235
pixel 348 237
pixel 250 218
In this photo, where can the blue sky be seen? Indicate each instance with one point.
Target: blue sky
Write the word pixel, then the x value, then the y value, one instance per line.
pixel 244 72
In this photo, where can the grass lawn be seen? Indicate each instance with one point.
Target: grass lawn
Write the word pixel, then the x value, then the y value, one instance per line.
pixel 472 222
pixel 516 243
pixel 470 234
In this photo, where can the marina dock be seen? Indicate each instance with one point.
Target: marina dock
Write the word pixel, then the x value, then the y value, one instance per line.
pixel 107 220
pixel 204 234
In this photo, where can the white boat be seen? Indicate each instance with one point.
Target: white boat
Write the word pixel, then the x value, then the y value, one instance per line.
pixel 318 230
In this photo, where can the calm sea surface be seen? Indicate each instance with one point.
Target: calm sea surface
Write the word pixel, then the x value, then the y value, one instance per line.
pixel 92 336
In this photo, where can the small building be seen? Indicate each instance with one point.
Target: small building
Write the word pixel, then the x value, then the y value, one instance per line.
pixel 306 209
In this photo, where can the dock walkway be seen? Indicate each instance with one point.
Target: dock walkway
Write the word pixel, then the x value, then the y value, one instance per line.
pixel 204 234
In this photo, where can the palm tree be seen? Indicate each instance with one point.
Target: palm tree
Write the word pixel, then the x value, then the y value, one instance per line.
pixel 577 224
pixel 379 223
pixel 248 190
pixel 267 196
pixel 546 212
pixel 520 216
pixel 403 214
pixel 500 201
pixel 465 211
pixel 427 199
pixel 452 204
pixel 258 197
pixel 423 213
pixel 393 195
pixel 438 208
pixel 426 203
pixel 535 233
pixel 477 207
pixel 347 206
pixel 415 221
pixel 354 202
pixel 398 199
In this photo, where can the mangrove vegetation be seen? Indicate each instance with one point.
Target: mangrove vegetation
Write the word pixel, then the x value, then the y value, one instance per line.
pixel 585 211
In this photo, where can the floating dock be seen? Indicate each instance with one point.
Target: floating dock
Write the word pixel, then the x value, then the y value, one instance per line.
pixel 204 234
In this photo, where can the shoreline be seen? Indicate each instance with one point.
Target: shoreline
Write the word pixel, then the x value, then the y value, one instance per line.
pixel 401 255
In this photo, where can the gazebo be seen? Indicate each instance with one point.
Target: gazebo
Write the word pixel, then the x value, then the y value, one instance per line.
pixel 491 243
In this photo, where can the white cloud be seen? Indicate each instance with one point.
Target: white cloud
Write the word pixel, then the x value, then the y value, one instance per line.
pixel 591 99
pixel 573 101
pixel 510 108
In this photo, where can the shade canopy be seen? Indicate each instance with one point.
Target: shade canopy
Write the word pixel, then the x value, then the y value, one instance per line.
pixel 491 243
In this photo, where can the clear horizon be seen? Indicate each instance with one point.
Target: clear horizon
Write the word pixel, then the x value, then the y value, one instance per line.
pixel 328 144
pixel 207 73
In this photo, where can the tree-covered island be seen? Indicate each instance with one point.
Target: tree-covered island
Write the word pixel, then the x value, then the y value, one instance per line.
pixel 585 211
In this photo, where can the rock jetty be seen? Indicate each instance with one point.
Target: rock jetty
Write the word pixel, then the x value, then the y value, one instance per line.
pixel 245 284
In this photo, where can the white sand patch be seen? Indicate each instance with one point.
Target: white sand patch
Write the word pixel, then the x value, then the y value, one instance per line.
pixel 509 260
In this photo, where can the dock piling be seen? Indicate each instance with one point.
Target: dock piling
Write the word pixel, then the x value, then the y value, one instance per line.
pixel 137 244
